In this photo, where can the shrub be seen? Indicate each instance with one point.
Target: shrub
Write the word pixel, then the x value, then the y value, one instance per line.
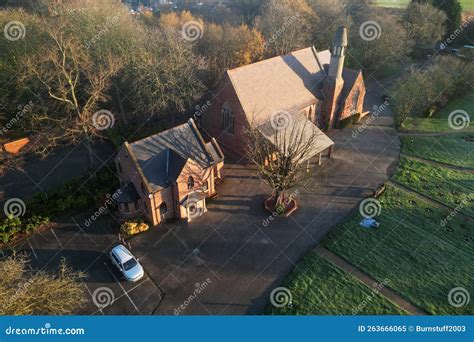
pixel 35 222
pixel 130 228
pixel 8 228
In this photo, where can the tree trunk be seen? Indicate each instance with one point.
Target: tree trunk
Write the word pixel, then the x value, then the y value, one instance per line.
pixel 119 100
pixel 90 163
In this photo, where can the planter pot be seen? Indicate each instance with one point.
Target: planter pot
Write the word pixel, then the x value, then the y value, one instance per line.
pixel 286 209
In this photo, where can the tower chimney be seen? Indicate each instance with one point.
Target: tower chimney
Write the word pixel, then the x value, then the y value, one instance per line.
pixel 338 53
pixel 334 82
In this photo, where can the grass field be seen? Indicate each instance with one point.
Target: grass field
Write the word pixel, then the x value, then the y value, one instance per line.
pixel 439 121
pixel 454 149
pixel 445 185
pixel 467 5
pixel 318 287
pixel 421 258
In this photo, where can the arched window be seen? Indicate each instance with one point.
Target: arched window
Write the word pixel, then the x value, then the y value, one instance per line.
pixel 227 118
pixel 190 182
pixel 355 101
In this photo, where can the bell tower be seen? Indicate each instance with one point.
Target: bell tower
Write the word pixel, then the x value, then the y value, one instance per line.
pixel 334 82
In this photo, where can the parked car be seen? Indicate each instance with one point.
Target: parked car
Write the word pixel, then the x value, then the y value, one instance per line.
pixel 126 263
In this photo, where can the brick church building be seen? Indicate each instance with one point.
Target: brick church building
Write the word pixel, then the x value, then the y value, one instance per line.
pixel 304 82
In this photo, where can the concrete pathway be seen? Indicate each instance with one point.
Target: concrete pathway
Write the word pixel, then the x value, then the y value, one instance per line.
pixel 369 281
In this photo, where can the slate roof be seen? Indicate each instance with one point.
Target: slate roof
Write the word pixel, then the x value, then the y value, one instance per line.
pixel 161 157
pixel 297 122
pixel 128 194
pixel 279 83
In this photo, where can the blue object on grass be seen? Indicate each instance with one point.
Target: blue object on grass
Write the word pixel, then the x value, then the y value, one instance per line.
pixel 369 223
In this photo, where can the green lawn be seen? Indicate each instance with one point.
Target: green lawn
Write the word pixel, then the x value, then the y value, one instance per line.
pixel 467 5
pixel 318 287
pixel 439 121
pixel 454 149
pixel 445 185
pixel 421 258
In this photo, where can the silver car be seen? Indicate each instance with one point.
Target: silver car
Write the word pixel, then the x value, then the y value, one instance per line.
pixel 126 263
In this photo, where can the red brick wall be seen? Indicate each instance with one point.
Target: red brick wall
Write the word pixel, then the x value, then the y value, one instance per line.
pixel 332 91
pixel 347 106
pixel 233 143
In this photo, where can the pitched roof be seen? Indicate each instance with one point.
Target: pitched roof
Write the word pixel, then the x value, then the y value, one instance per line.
pixel 128 194
pixel 284 137
pixel 162 156
pixel 280 83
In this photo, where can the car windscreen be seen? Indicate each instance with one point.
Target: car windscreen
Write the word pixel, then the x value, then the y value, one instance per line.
pixel 129 264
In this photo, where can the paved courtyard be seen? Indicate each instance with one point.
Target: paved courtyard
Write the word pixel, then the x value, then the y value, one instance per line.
pixel 229 260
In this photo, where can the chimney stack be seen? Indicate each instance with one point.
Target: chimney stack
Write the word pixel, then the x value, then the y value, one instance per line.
pixel 338 53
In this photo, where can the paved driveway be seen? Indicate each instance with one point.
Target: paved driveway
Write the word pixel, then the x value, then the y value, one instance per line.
pixel 229 260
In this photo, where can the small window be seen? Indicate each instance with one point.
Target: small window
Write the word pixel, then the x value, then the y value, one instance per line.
pixel 227 118
pixel 190 182
pixel 137 206
pixel 119 166
pixel 125 207
pixel 355 102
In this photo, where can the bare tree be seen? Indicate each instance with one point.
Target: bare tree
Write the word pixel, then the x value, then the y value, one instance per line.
pixel 281 153
pixel 68 85
pixel 286 25
pixel 26 292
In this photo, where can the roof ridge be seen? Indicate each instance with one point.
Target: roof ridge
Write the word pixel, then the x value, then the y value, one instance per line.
pixel 137 165
pixel 271 58
pixel 200 139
